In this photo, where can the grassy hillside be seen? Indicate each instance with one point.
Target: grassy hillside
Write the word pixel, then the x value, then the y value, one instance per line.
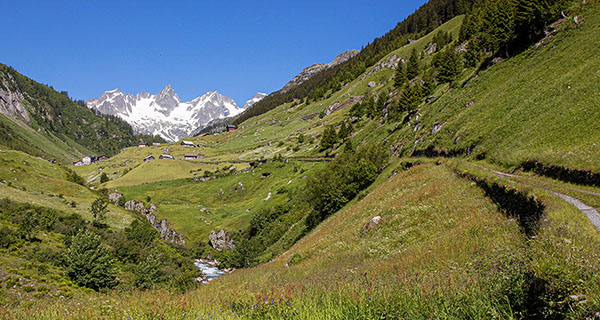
pixel 441 247
pixel 58 127
pixel 455 239
pixel 541 104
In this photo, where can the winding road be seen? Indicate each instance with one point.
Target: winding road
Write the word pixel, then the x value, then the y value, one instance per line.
pixel 590 212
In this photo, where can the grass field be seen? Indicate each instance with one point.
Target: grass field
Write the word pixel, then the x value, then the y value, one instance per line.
pixel 441 248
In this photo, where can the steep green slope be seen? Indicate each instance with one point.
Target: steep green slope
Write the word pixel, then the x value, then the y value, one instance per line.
pixel 541 105
pixel 56 126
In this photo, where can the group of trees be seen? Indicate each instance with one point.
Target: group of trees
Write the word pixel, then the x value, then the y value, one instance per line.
pixel 330 137
pixel 55 113
pixel 502 27
pixel 91 250
pixel 331 188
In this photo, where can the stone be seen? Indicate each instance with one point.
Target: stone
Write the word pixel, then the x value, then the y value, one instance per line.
pixel 431 49
pixel 371 224
pixel 114 197
pixel 372 84
pixel 220 240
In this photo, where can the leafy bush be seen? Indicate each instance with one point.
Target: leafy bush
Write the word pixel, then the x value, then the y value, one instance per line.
pixel 89 262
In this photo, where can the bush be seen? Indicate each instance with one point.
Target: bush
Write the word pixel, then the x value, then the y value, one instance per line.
pixel 6 237
pixel 89 263
pixel 103 177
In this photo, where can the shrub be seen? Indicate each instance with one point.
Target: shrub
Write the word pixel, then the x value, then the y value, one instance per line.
pixel 89 263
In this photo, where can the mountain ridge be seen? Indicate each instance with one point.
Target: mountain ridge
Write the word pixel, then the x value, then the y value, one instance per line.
pixel 164 113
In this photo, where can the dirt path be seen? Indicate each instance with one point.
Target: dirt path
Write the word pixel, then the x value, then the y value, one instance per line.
pixel 590 212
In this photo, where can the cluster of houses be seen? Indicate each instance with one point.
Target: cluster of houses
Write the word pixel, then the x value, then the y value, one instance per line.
pixel 87 160
pixel 186 156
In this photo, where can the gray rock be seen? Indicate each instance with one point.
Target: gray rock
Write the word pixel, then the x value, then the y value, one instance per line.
pixel 114 197
pixel 371 224
pixel 372 84
pixel 11 101
pixel 310 71
pixel 220 240
pixel 431 49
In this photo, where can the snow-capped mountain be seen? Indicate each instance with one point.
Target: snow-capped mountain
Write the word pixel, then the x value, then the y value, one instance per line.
pixel 257 97
pixel 165 114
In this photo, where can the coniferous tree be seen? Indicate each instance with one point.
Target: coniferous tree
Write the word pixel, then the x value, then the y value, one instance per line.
pixel 400 78
pixel 412 68
pixel 410 98
pixel 345 131
pixel 448 66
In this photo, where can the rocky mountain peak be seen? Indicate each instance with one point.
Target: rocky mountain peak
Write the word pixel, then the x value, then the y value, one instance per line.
pixel 165 114
pixel 310 71
pixel 343 57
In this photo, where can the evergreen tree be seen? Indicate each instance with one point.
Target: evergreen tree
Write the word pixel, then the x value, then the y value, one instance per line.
pixel 345 131
pixel 410 98
pixel 400 78
pixel 329 138
pixel 412 68
pixel 448 66
pixel 370 107
pixel 103 177
pixel 428 85
pixel 89 263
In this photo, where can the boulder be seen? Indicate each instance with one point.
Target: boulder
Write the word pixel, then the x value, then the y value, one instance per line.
pixel 220 240
pixel 371 224
pixel 372 84
pixel 114 197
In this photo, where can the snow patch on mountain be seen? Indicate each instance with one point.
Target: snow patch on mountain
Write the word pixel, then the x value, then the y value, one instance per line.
pixel 164 114
pixel 257 97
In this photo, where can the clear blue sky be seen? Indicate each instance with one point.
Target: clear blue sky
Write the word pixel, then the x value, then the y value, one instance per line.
pixel 235 47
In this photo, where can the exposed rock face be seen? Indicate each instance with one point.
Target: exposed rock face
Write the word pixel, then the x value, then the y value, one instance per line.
pixel 220 240
pixel 166 233
pixel 336 106
pixel 309 72
pixel 391 63
pixel 371 224
pixel 431 49
pixel 114 197
pixel 11 101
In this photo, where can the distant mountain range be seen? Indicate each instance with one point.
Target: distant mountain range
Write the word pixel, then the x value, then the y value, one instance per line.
pixel 164 113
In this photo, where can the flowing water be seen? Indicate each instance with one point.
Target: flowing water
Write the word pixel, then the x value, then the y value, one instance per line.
pixel 210 272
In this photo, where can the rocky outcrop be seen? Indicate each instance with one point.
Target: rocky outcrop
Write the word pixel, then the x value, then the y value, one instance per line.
pixel 163 227
pixel 342 105
pixel 11 101
pixel 309 72
pixel 114 197
pixel 221 240
pixel 390 63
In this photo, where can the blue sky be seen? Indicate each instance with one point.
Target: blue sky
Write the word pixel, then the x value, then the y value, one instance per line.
pixel 235 47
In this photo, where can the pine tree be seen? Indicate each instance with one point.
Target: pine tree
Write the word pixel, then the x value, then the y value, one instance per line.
pixel 345 131
pixel 448 66
pixel 400 77
pixel 410 98
pixel 412 69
